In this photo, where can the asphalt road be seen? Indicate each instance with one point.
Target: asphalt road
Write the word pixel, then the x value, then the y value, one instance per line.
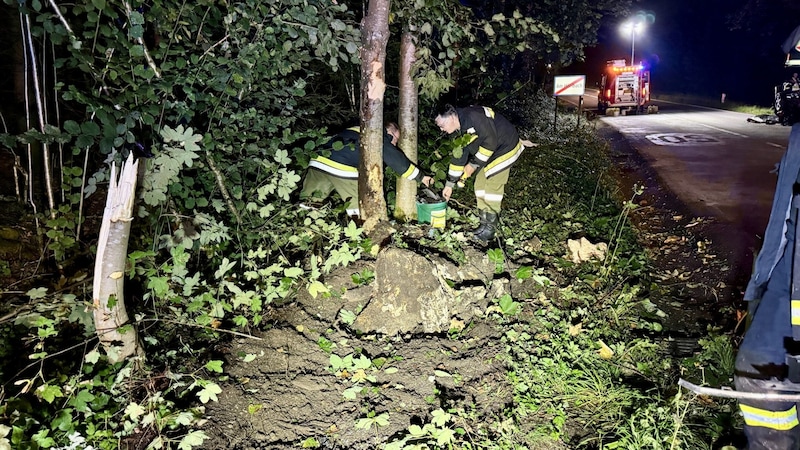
pixel 714 162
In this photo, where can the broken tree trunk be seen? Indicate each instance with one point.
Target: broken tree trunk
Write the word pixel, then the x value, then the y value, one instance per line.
pixel 117 336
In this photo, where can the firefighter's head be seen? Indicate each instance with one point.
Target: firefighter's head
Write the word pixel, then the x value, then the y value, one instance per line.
pixel 394 131
pixel 447 120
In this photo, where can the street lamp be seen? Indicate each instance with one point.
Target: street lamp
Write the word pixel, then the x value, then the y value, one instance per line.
pixel 632 27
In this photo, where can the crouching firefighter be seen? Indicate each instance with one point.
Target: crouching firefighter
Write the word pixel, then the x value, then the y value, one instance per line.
pixel 337 168
pixel 768 360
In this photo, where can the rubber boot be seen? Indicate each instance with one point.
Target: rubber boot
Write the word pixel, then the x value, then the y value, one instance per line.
pixel 488 227
pixel 482 218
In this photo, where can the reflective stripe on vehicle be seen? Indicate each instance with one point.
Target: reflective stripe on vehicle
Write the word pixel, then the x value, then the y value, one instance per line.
pixel 776 420
pixel 795 312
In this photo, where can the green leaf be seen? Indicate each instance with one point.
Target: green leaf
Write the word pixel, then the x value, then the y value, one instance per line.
pixel 159 285
pixel 224 267
pixel 92 357
pixel 293 272
pixel 209 392
pixel 49 392
pixel 134 411
pixel 317 287
pixel 336 362
pixel 82 400
pixel 524 272
pixel 348 317
pixel 191 440
pixel 351 393
pixel 214 366
pixel 496 256
pixel 37 293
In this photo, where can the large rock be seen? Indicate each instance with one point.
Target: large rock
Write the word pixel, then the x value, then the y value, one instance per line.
pixel 412 294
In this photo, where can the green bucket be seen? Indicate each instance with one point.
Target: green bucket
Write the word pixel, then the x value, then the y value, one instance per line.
pixel 425 210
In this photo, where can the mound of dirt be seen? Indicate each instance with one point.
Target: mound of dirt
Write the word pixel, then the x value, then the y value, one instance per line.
pixel 312 376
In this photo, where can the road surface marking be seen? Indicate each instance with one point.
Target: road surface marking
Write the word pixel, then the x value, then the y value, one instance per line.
pixel 677 139
pixel 775 145
pixel 723 130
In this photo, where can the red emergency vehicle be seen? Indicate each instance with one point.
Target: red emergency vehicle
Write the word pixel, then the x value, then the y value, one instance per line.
pixel 624 87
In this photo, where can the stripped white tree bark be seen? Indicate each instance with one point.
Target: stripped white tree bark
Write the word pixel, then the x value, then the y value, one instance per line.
pixel 119 338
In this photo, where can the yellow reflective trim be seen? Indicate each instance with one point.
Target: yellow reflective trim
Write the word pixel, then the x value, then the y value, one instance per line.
pixel 335 165
pixel 504 161
pixel 411 173
pixel 489 112
pixel 776 420
pixel 356 129
pixel 795 312
pixel 485 151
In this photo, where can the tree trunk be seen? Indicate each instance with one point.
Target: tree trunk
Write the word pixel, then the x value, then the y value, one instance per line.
pixel 375 35
pixel 406 208
pixel 118 337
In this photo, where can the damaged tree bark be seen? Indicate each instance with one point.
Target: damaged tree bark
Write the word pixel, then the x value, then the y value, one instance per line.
pixel 375 36
pixel 118 337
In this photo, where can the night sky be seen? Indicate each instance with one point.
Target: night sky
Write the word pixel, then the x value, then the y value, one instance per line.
pixel 692 47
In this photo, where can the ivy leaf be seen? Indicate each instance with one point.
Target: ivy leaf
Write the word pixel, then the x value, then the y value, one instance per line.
pixel 316 288
pixel 336 362
pixel 224 267
pixel 37 293
pixel 347 317
pixel 352 231
pixel 159 285
pixel 293 272
pixel 49 392
pixel 82 399
pixel 191 440
pixel 209 392
pixel 134 411
pixel 524 272
pixel 214 366
pixel 445 436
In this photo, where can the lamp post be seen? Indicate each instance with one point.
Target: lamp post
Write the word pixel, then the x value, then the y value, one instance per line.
pixel 632 26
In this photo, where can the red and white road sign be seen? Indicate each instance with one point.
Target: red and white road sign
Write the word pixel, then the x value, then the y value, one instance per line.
pixel 570 84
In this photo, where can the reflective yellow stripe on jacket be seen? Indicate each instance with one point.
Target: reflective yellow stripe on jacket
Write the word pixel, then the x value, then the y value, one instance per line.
pixel 505 161
pixel 776 420
pixel 334 168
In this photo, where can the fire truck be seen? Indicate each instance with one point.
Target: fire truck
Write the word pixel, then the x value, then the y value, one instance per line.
pixel 624 87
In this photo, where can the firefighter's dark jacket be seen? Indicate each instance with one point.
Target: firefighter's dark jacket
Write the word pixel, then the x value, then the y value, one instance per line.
pixel 343 163
pixel 494 144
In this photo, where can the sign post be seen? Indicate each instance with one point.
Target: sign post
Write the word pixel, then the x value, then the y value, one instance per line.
pixel 568 85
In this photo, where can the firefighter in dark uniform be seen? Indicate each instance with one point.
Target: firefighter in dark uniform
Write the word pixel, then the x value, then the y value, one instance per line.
pixel 339 170
pixel 493 147
pixel 768 360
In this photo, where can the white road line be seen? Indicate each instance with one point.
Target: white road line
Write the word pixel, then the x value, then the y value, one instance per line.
pixel 775 145
pixel 723 130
